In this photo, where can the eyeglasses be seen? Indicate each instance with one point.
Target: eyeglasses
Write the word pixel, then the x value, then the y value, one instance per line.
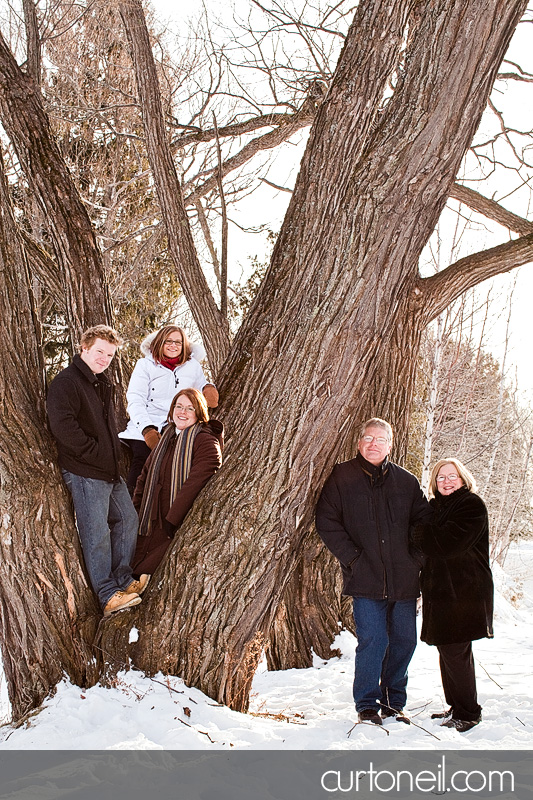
pixel 442 478
pixel 377 439
pixel 186 410
pixel 175 342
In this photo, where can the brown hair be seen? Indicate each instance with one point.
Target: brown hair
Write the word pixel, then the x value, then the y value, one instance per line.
pixel 158 342
pixel 464 473
pixel 89 337
pixel 198 401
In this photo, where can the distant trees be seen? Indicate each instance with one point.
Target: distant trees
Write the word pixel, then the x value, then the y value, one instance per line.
pixel 472 411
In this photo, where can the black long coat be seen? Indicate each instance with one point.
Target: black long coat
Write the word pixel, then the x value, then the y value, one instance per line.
pixel 457 587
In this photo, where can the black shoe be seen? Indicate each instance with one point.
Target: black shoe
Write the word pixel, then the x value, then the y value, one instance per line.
pixel 370 715
pixel 442 714
pixel 395 713
pixel 461 725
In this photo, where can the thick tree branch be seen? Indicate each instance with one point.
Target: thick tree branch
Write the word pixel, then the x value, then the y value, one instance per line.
pixel 44 268
pixel 213 326
pixel 79 260
pixel 439 290
pixel 33 41
pixel 266 142
pixel 305 117
pixel 491 209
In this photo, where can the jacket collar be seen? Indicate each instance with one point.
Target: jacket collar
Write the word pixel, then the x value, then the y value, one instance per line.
pixel 375 473
pixel 78 362
pixel 446 498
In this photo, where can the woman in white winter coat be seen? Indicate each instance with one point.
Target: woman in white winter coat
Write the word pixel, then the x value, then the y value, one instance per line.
pixel 170 363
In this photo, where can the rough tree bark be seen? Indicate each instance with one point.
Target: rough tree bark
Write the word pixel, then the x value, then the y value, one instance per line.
pixel 335 327
pixel 48 614
pixel 79 261
pixel 311 612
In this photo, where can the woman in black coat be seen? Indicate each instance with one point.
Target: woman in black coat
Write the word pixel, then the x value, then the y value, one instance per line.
pixel 457 587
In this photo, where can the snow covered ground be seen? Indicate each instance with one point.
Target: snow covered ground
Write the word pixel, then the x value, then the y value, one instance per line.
pixel 309 709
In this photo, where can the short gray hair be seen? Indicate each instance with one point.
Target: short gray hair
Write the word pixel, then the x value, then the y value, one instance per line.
pixel 376 422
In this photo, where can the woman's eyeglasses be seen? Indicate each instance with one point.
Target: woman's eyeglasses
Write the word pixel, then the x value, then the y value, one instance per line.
pixel 186 410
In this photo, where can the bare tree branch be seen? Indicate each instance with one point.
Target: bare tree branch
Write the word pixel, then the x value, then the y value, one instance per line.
pixel 33 41
pixel 438 291
pixel 240 128
pixel 491 209
pixel 213 326
pixel 224 252
pixel 208 238
pixel 79 259
pixel 266 142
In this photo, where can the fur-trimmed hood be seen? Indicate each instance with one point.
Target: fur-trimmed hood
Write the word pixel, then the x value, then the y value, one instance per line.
pixel 197 349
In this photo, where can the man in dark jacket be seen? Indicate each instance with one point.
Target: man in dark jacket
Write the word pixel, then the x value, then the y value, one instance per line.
pixel 363 516
pixel 81 415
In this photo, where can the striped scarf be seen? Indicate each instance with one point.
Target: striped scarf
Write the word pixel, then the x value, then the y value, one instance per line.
pixel 181 466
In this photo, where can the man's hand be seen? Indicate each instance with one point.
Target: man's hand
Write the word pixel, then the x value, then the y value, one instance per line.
pixel 151 437
pixel 210 393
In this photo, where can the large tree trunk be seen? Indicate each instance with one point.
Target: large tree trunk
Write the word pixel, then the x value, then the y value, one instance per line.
pixel 311 612
pixel 48 613
pixel 341 295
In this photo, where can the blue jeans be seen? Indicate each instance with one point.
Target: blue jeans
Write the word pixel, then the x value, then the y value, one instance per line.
pixel 107 524
pixel 386 641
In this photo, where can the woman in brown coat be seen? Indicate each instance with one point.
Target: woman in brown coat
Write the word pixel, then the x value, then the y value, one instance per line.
pixel 189 453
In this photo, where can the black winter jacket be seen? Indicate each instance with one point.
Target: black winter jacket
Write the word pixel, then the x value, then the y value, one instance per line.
pixel 81 415
pixel 457 587
pixel 363 517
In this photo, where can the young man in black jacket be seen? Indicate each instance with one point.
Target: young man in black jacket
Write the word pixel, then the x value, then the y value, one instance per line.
pixel 82 420
pixel 363 516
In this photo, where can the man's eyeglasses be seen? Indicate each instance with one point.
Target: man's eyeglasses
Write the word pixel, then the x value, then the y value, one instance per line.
pixel 442 478
pixel 377 439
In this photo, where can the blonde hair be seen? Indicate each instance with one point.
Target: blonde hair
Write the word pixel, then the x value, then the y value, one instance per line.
pixel 464 473
pixel 108 334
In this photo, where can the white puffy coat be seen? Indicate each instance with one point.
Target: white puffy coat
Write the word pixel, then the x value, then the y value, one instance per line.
pixel 152 387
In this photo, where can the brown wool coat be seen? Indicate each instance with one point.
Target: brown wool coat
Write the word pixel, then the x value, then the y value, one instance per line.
pixel 206 459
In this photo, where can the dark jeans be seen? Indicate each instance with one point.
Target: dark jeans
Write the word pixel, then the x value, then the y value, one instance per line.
pixel 459 680
pixel 107 524
pixel 386 641
pixel 139 453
